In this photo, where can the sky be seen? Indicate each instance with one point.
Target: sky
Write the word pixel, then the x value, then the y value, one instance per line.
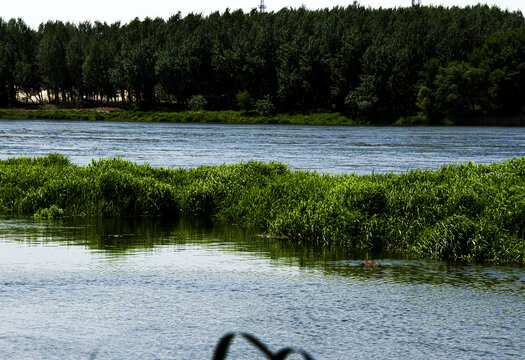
pixel 34 12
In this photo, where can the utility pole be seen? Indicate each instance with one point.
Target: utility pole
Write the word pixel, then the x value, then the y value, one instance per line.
pixel 262 7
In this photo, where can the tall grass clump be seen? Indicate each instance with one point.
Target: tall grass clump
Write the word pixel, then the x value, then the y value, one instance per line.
pixel 466 211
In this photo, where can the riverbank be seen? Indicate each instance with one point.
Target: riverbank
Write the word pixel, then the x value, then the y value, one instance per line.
pixel 470 212
pixel 231 117
pixel 203 116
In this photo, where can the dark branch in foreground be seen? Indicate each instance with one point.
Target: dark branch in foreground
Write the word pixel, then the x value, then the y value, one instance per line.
pixel 221 350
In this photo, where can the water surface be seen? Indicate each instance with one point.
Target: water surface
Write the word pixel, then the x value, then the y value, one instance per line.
pixel 332 149
pixel 169 289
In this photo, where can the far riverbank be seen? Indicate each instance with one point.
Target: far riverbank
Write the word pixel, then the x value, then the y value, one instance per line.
pixel 231 117
pixel 201 116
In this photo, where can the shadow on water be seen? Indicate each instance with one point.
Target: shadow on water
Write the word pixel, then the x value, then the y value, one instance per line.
pixel 119 236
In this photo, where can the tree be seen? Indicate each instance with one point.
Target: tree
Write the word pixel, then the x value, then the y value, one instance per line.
pixel 244 100
pixel 138 55
pixel 377 63
pixel 51 57
pixel 460 90
pixel 265 106
pixel 100 59
pixel 197 102
pixel 363 99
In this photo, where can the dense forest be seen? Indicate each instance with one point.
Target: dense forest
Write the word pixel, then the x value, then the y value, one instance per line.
pixel 432 63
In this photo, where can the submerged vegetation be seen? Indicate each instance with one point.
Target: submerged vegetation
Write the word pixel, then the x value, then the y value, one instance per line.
pixel 471 212
pixel 421 64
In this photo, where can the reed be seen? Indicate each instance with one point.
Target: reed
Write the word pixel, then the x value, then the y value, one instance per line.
pixel 467 211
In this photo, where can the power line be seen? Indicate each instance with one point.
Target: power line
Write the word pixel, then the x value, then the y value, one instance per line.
pixel 262 7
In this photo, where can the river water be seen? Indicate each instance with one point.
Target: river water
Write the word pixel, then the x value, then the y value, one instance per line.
pixel 158 288
pixel 331 149
pixel 169 289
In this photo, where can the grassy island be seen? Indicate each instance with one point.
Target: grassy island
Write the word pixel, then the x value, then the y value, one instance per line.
pixel 468 211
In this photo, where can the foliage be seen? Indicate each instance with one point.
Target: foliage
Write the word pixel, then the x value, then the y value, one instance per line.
pixel 420 119
pixel 265 106
pixel 363 98
pixel 51 212
pixel 466 211
pixel 232 117
pixel 197 102
pixel 244 100
pixel 423 103
pixel 489 82
pixel 368 63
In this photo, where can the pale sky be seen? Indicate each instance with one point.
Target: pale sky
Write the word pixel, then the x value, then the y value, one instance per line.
pixel 34 12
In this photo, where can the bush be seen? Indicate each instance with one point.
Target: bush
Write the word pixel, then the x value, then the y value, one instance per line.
pixel 265 106
pixel 197 102
pixel 244 100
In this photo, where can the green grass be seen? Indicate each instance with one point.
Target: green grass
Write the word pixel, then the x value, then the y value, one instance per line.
pixel 226 117
pixel 470 212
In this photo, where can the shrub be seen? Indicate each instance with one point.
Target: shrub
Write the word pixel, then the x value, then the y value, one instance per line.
pixel 197 102
pixel 265 106
pixel 244 100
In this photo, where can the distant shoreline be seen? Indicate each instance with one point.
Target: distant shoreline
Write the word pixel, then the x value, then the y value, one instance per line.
pixel 201 116
pixel 230 117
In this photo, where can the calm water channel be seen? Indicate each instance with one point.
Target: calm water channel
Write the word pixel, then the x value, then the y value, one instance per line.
pixel 170 288
pixel 321 148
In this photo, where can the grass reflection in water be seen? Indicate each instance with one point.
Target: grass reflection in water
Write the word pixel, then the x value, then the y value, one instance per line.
pixel 121 236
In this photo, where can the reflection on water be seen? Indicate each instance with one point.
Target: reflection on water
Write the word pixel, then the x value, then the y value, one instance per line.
pixel 170 288
pixel 116 237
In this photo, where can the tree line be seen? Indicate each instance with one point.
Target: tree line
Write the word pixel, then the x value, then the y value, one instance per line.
pixel 435 62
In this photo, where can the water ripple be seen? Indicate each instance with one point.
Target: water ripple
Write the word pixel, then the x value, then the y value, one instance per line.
pixel 358 149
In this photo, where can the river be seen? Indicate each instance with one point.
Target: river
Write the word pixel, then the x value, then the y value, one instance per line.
pixel 154 288
pixel 164 289
pixel 328 149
